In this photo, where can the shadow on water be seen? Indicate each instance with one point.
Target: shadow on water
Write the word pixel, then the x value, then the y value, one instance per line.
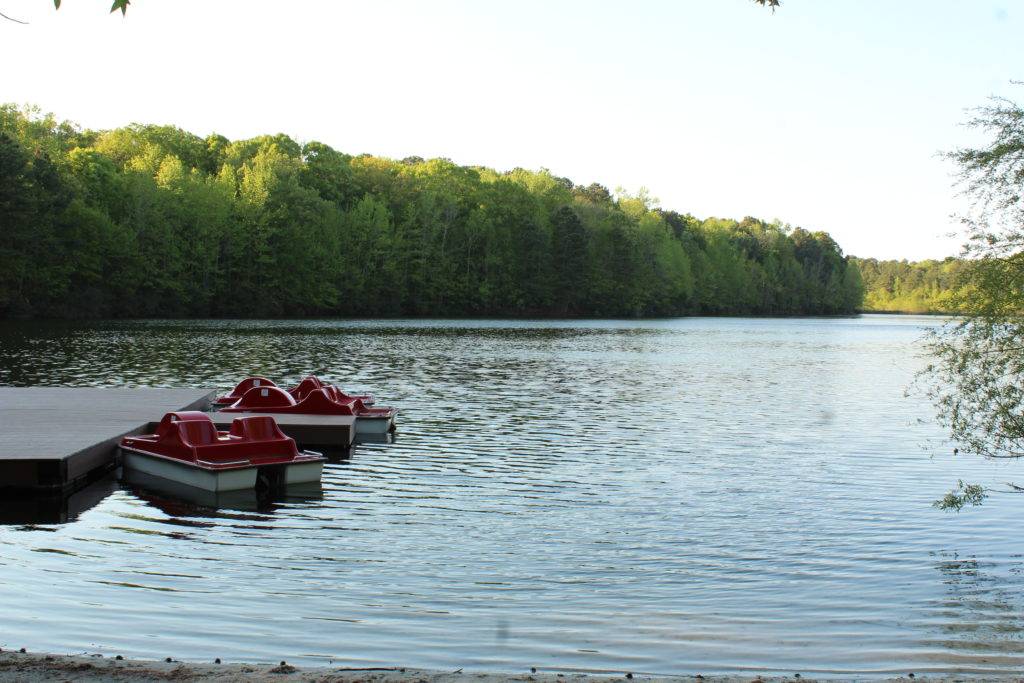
pixel 176 500
pixel 179 500
pixel 30 508
pixel 339 455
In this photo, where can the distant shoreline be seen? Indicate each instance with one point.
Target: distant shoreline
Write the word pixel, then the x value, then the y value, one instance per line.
pixel 33 667
pixel 937 313
pixel 525 318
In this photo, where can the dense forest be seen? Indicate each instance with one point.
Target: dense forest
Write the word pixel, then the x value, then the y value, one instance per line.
pixel 908 287
pixel 155 221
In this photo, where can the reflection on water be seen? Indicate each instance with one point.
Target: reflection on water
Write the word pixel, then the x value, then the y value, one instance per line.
pixel 980 611
pixel 179 500
pixel 28 508
pixel 665 496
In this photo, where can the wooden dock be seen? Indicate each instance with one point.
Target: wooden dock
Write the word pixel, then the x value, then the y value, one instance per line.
pixel 56 437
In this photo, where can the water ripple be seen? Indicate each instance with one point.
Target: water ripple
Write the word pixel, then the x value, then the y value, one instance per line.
pixel 662 496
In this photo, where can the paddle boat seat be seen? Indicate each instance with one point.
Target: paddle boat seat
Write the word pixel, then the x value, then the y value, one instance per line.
pixel 256 428
pixel 192 436
pixel 317 402
pixel 306 387
pixel 312 383
pixel 242 387
pixel 300 391
pixel 198 433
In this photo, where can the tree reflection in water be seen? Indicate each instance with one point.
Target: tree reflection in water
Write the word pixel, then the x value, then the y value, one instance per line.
pixel 982 614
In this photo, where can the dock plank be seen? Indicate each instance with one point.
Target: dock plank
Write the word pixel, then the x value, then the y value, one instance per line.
pixel 53 437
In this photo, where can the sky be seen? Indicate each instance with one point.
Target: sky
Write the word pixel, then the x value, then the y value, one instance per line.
pixel 826 114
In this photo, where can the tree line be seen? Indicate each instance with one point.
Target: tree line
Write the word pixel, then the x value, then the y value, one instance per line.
pixel 152 220
pixel 928 286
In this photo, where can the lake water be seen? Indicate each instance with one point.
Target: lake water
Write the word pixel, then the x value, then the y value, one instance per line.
pixel 670 496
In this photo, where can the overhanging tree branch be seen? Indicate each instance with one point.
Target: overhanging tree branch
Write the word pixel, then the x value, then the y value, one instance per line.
pixel 16 21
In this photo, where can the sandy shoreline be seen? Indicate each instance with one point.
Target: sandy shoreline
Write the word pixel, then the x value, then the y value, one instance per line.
pixel 32 667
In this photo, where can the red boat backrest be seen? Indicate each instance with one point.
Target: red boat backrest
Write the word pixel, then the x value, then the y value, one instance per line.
pixel 250 382
pixel 261 428
pixel 265 397
pixel 320 402
pixel 305 387
pixel 168 425
pixel 198 432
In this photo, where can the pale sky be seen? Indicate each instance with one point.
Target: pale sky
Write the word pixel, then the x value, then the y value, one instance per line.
pixel 828 114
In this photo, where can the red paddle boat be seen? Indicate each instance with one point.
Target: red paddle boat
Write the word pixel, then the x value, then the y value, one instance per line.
pixel 298 392
pixel 188 449
pixel 312 383
pixel 323 401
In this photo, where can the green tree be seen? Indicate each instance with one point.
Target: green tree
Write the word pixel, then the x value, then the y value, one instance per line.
pixel 570 245
pixel 977 379
pixel 152 220
pixel 32 202
pixel 922 287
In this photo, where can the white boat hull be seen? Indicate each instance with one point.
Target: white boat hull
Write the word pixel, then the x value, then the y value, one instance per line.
pixel 165 491
pixel 224 480
pixel 216 481
pixel 374 425
pixel 303 472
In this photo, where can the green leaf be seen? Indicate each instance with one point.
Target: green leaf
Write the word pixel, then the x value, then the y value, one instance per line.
pixel 56 4
pixel 119 5
pixel 961 496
